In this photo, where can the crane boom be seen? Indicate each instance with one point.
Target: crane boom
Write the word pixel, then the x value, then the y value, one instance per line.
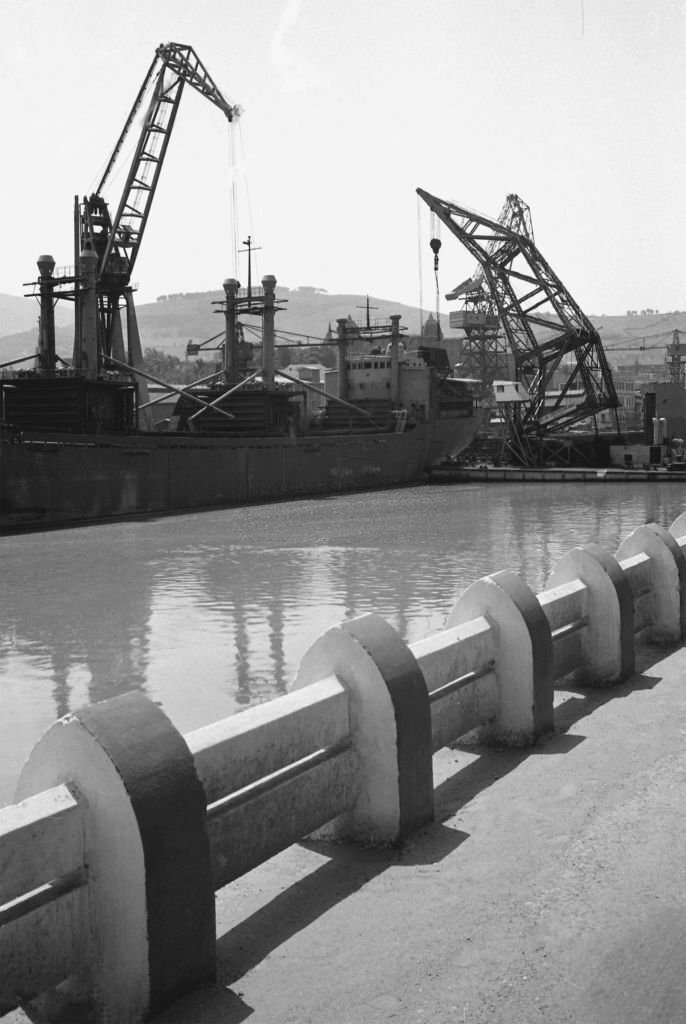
pixel 116 241
pixel 174 65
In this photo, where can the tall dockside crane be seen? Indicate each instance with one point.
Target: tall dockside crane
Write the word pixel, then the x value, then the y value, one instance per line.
pixel 530 298
pixel 106 246
pixel 96 391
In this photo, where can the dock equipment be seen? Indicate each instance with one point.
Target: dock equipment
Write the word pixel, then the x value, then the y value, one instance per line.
pixel 545 329
pixel 106 246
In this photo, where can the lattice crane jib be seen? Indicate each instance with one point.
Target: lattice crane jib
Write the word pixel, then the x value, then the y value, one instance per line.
pixel 521 283
pixel 117 240
pixel 485 350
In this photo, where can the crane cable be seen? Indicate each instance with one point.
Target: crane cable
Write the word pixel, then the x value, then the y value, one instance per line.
pixel 234 198
pixel 244 164
pixel 419 253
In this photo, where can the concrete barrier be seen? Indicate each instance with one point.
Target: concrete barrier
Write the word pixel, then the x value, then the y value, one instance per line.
pixel 145 918
pixel 124 829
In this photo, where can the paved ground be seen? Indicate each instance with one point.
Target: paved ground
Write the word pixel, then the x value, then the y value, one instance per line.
pixel 552 888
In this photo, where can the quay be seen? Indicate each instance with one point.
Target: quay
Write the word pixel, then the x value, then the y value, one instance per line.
pixel 456 473
pixel 482 826
pixel 550 888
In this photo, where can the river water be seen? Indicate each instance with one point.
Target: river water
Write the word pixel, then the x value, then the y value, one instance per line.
pixel 210 613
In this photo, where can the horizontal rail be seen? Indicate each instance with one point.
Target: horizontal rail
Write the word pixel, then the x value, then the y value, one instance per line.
pixel 43 895
pixel 245 833
pixel 244 748
pixel 458 684
pixel 269 783
pixel 571 627
pixel 41 839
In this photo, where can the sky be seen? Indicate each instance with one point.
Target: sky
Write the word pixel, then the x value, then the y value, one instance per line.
pixel 349 106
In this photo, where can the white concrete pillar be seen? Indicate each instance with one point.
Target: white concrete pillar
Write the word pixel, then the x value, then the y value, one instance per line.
pixel 667 600
pixel 150 918
pixel 607 640
pixel 524 654
pixel 678 530
pixel 390 725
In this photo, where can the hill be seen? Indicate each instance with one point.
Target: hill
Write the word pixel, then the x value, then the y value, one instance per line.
pixel 18 314
pixel 170 322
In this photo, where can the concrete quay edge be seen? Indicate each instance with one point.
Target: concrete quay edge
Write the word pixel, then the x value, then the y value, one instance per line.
pixel 550 888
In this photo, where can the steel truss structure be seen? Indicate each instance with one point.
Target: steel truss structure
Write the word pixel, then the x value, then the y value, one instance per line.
pixel 485 350
pixel 117 240
pixel 543 325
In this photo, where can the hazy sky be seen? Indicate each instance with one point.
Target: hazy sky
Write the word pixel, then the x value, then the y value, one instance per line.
pixel 576 105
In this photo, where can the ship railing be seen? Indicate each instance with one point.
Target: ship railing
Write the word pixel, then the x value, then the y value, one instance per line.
pixel 124 829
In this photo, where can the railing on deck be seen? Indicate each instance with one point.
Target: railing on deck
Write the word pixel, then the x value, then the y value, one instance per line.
pixel 124 829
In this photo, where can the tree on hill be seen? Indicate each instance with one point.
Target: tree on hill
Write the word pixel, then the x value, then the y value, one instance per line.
pixel 174 370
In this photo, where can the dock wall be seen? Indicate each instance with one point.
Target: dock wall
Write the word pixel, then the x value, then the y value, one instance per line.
pixel 124 829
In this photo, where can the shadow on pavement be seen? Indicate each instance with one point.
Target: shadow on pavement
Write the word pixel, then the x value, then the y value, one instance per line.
pixel 348 870
pixel 492 762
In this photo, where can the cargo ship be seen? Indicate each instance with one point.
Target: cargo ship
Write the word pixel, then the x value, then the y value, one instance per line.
pixel 79 447
pixel 79 439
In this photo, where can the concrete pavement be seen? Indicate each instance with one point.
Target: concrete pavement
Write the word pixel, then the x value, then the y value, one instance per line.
pixel 552 888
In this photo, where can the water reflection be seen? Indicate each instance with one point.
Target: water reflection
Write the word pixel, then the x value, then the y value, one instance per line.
pixel 213 612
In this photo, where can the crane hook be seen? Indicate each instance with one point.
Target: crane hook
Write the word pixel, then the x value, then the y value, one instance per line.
pixel 435 244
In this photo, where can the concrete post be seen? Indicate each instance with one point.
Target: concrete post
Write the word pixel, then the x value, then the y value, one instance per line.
pixel 269 285
pixel 668 573
pixel 46 335
pixel 607 642
pixel 524 654
pixel 678 530
pixel 230 286
pixel 150 894
pixel 390 725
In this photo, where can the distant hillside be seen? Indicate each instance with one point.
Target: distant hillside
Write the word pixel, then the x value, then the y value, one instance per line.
pixel 627 339
pixel 173 320
pixel 18 314
pixel 170 322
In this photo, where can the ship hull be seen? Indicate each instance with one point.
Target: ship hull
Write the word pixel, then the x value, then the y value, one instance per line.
pixel 49 480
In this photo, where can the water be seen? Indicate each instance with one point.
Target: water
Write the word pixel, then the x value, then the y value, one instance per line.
pixel 213 612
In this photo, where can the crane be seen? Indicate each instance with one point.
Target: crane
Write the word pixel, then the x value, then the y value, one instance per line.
pixel 675 353
pixel 106 247
pixel 522 283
